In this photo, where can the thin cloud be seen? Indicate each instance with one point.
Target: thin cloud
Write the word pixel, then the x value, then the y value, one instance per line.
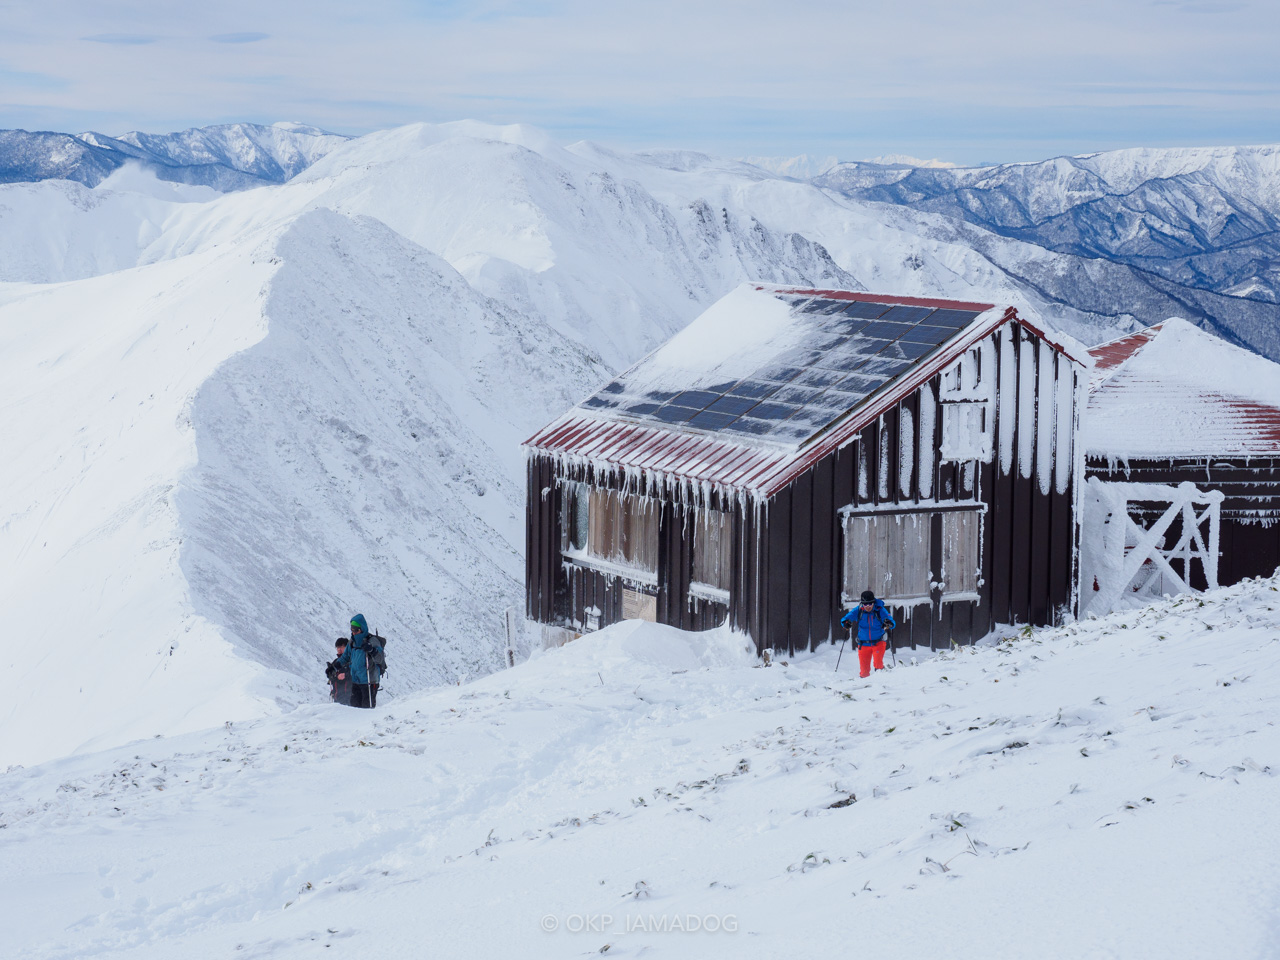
pixel 124 39
pixel 239 37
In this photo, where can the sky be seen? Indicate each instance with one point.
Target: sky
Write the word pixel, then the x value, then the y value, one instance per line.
pixel 970 81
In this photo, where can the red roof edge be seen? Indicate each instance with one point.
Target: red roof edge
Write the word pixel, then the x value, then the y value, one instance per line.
pixel 879 298
pixel 1115 352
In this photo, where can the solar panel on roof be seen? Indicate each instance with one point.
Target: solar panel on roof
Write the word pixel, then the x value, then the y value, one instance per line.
pixel 670 413
pixel 841 352
pixel 886 366
pixel 901 314
pixel 818 377
pixel 818 305
pixel 884 331
pixel 733 405
pixel 695 398
pixel 867 311
pixel 708 420
pixel 643 409
pixel 780 374
pixel 952 318
pixel 798 395
pixel 771 410
pixel 913 351
pixel 922 333
pixel 752 388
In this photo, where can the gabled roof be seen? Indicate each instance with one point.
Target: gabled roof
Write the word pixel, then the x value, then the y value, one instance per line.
pixel 1175 391
pixel 766 382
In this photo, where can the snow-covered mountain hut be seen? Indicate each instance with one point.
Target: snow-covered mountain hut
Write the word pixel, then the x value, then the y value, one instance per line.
pixel 1183 434
pixel 793 447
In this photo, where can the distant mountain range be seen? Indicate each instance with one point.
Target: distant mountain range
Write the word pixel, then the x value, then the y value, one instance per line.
pixel 1207 218
pixel 232 156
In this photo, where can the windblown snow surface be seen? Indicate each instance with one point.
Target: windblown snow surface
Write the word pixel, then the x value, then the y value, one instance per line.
pixel 1105 789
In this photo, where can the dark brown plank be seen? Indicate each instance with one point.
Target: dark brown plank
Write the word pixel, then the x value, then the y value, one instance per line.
pixel 801 560
pixel 822 614
pixel 778 537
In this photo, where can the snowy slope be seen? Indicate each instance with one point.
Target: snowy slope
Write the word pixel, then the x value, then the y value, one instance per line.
pixel 1104 789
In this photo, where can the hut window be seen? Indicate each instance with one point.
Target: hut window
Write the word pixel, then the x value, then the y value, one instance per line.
pixel 968 400
pixel 713 551
pixel 574 509
pixel 608 526
pixel 889 554
pixel 960 538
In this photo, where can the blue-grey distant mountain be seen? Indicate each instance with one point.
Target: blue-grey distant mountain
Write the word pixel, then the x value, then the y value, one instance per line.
pixel 232 156
pixel 1202 217
pixel 1193 232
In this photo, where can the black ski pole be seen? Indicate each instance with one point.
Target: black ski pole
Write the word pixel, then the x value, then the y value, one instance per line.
pixel 841 653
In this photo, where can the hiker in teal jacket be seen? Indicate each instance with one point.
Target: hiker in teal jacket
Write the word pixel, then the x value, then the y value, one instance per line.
pixel 358 661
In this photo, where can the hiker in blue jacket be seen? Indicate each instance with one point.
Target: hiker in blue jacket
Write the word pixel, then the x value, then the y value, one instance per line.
pixel 872 621
pixel 358 662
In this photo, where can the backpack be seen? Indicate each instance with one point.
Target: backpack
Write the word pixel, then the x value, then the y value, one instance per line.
pixel 377 654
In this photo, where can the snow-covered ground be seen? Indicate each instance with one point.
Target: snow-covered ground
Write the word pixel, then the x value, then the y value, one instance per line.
pixel 1105 789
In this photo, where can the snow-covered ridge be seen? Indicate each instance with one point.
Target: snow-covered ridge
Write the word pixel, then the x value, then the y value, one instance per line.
pixel 661 776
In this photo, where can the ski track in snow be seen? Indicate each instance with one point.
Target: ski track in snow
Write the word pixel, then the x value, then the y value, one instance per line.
pixel 1102 789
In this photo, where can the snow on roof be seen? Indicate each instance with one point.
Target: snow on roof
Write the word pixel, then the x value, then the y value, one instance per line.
pixel 766 382
pixel 1176 391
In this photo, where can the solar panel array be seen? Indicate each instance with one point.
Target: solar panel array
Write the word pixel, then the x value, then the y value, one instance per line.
pixel 851 349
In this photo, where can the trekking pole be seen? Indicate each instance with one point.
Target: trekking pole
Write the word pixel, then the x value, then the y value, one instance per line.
pixel 841 653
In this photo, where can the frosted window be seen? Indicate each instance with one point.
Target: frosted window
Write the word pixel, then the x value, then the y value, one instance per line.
pixel 966 431
pixel 574 505
pixel 609 526
pixel 713 549
pixel 960 560
pixel 888 554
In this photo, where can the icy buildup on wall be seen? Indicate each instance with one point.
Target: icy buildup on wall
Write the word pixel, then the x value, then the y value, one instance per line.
pixel 968 394
pixel 1026 406
pixel 906 451
pixel 1008 397
pixel 928 415
pixel 884 460
pixel 1045 420
pixel 1064 404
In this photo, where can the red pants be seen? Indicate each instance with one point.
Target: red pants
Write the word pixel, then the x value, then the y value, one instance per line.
pixel 865 655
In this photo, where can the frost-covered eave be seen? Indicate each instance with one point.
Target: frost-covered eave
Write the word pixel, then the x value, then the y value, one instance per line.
pixel 690 467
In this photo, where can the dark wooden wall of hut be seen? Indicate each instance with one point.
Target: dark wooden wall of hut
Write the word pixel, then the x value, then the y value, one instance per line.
pixel 1028 539
pixel 1250 517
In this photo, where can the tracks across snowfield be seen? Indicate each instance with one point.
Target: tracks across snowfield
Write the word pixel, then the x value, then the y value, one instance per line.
pixel 1103 789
